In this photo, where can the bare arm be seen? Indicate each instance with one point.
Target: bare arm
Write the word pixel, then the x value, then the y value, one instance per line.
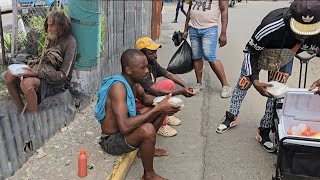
pixel 223 5
pixel 175 79
pixel 127 124
pixel 143 97
pixel 186 26
pixel 162 92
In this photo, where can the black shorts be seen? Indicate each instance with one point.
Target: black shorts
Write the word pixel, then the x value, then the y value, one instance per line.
pixel 115 144
pixel 46 89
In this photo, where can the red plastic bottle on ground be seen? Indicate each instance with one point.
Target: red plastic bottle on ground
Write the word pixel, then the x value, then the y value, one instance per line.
pixel 82 163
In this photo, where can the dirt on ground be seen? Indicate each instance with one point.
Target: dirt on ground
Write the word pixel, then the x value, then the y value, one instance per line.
pixel 57 159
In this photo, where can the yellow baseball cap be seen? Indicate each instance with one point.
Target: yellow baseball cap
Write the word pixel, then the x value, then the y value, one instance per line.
pixel 146 42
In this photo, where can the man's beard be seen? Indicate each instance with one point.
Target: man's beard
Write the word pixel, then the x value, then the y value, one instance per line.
pixel 52 37
pixel 153 61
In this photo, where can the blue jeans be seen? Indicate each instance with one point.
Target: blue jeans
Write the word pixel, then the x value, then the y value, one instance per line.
pixel 177 10
pixel 204 43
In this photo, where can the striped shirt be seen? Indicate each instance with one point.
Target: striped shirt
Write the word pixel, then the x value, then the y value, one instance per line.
pixel 274 32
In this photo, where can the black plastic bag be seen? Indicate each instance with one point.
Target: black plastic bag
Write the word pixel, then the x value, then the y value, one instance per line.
pixel 181 62
pixel 177 38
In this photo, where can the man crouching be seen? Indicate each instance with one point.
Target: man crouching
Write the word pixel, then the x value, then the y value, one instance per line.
pixel 123 130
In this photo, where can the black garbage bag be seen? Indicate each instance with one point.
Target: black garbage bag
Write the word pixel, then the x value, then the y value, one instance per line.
pixel 177 38
pixel 181 62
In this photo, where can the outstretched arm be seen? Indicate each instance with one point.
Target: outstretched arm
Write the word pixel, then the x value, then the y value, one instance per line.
pixel 176 79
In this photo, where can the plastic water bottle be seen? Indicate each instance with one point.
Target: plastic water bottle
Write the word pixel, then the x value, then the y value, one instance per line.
pixel 82 163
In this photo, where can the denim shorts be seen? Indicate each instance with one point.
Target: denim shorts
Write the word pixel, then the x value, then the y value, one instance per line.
pixel 204 43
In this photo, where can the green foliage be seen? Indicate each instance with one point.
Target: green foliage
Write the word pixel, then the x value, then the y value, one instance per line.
pixel 3 68
pixel 36 23
pixel 7 37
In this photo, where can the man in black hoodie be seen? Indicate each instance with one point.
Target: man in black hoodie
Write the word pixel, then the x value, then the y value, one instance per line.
pixel 281 34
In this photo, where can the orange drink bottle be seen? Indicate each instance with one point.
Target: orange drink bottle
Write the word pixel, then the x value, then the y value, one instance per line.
pixel 82 163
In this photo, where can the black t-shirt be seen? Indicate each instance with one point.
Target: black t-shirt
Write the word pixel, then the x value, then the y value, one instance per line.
pixel 273 33
pixel 155 71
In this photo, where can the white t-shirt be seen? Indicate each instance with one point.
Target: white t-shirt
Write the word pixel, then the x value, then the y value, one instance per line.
pixel 204 13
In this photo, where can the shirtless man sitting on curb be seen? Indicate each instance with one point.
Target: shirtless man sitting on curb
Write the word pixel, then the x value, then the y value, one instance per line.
pixel 123 130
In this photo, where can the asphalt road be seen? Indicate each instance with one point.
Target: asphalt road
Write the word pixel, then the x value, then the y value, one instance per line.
pixel 198 152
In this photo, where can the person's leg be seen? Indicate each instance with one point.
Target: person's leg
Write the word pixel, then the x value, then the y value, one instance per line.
pixel 238 94
pixel 266 121
pixel 198 69
pixel 168 85
pixel 166 130
pixel 29 87
pixel 177 12
pixel 209 45
pixel 11 82
pixel 157 125
pixel 197 54
pixel 144 137
pixel 182 10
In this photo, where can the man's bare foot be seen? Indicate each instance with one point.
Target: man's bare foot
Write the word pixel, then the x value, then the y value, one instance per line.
pixel 153 176
pixel 157 153
pixel 160 153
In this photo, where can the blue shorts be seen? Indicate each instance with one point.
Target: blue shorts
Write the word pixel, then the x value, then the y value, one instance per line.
pixel 204 43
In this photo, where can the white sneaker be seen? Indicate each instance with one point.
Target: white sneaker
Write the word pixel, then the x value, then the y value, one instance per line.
pixel 197 88
pixel 226 92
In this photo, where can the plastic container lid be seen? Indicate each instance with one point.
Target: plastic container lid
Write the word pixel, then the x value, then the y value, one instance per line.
pixel 302 105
